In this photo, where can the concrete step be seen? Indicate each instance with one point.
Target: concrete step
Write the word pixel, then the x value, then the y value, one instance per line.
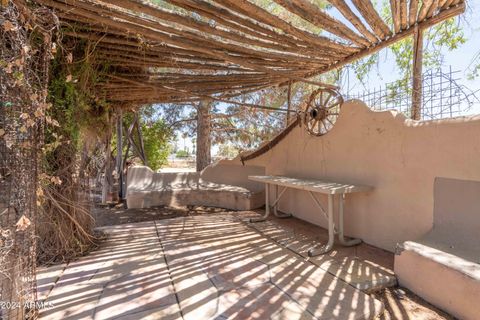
pixel 446 280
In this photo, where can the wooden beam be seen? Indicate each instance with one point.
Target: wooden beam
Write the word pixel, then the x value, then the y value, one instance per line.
pixel 181 38
pixel 196 24
pixel 413 12
pixel 403 14
pixel 395 10
pixel 157 32
pixel 178 58
pixel 313 14
pixel 447 4
pixel 244 40
pixel 433 8
pixel 229 19
pixel 417 87
pixel 203 96
pixel 443 15
pixel 289 103
pixel 442 3
pixel 366 8
pixel 352 17
pixel 317 41
pixel 422 14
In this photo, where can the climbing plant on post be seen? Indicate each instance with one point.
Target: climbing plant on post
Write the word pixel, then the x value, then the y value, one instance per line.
pixel 25 52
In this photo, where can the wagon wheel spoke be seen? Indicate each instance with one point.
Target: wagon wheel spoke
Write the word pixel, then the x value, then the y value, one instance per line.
pixel 329 127
pixel 337 102
pixel 312 125
pixel 325 126
pixel 328 99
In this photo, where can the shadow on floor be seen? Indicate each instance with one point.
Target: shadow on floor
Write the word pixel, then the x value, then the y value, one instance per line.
pixel 205 266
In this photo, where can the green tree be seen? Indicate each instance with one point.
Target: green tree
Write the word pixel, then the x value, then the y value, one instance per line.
pixel 443 37
pixel 156 138
pixel 228 151
pixel 246 128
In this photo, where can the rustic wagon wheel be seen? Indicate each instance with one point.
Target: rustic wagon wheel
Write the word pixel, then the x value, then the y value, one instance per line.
pixel 322 111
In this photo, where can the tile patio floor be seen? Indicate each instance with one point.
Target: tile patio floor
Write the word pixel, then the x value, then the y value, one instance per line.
pixel 209 267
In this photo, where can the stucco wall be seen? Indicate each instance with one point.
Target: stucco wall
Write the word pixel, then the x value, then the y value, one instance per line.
pixel 397 156
pixel 233 173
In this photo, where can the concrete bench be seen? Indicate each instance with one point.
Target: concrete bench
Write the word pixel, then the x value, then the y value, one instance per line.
pixel 444 266
pixel 223 186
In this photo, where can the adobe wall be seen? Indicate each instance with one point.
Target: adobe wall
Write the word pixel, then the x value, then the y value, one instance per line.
pixel 399 157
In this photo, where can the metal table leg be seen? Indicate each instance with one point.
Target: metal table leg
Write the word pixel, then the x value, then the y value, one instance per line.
pixel 267 206
pixel 341 237
pixel 319 205
pixel 275 204
pixel 331 232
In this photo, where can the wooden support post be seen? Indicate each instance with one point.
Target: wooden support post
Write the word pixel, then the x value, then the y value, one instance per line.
pixel 417 86
pixel 107 178
pixel 140 139
pixel 127 140
pixel 132 141
pixel 289 103
pixel 119 160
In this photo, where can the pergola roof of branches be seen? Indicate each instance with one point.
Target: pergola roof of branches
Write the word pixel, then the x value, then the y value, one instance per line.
pixel 230 47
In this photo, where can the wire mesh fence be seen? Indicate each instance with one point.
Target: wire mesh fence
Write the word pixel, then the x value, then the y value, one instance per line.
pixel 24 60
pixel 18 165
pixel 443 96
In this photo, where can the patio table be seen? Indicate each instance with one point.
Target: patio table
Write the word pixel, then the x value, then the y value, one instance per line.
pixel 331 189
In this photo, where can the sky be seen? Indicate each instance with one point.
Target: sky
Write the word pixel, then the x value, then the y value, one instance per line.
pixel 386 71
pixel 460 59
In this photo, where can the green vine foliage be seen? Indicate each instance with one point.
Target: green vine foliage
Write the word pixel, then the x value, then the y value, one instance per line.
pixel 445 36
pixel 74 105
pixel 74 115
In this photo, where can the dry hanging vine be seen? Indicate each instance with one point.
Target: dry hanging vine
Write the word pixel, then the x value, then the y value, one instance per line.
pixel 67 225
pixel 25 54
pixel 44 203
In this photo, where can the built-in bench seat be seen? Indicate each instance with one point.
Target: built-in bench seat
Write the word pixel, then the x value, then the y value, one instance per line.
pixel 146 189
pixel 443 267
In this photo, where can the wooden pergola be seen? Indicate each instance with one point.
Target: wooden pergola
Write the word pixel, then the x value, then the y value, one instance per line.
pixel 222 48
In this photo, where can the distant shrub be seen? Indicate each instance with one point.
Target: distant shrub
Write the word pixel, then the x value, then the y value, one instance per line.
pixel 182 154
pixel 156 138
